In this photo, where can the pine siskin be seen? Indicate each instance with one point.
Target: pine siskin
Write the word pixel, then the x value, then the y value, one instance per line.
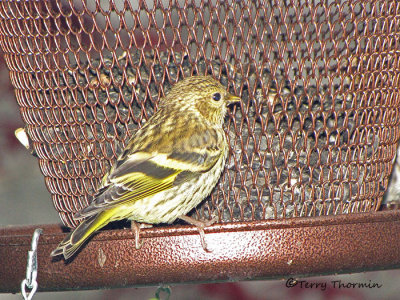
pixel 168 167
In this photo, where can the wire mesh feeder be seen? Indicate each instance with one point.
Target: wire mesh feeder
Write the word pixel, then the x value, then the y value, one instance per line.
pixel 315 133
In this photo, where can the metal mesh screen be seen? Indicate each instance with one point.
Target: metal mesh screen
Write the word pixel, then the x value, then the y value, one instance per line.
pixel 315 133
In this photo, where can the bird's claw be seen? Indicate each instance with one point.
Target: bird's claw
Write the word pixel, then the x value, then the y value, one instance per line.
pixel 136 229
pixel 200 225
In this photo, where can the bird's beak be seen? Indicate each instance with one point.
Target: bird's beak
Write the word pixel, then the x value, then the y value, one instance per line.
pixel 232 99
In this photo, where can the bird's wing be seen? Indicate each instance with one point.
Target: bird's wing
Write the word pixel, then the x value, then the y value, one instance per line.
pixel 144 174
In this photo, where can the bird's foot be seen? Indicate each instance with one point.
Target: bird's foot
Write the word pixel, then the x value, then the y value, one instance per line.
pixel 136 229
pixel 200 227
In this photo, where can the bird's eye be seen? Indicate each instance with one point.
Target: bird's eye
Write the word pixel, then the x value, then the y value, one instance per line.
pixel 216 96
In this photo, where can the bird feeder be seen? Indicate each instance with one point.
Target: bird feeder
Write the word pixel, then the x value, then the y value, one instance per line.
pixel 312 143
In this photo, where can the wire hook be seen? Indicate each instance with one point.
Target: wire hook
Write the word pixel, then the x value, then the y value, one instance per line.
pixel 31 268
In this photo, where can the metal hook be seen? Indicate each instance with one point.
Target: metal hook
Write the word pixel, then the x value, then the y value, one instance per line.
pixel 162 288
pixel 31 268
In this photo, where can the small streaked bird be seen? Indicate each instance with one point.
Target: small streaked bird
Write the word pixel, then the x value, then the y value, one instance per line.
pixel 168 167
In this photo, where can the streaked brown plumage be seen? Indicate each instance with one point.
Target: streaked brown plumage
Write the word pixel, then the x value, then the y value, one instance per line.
pixel 168 167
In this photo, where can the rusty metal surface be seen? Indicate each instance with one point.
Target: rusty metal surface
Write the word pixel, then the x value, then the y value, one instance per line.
pixel 240 251
pixel 315 134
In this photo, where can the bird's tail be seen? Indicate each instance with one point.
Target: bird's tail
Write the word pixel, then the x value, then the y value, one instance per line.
pixel 75 239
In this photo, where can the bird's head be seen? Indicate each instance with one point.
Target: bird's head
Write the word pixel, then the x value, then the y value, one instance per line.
pixel 202 94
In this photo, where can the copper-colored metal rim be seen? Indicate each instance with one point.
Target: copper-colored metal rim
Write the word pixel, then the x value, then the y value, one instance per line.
pixel 240 251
